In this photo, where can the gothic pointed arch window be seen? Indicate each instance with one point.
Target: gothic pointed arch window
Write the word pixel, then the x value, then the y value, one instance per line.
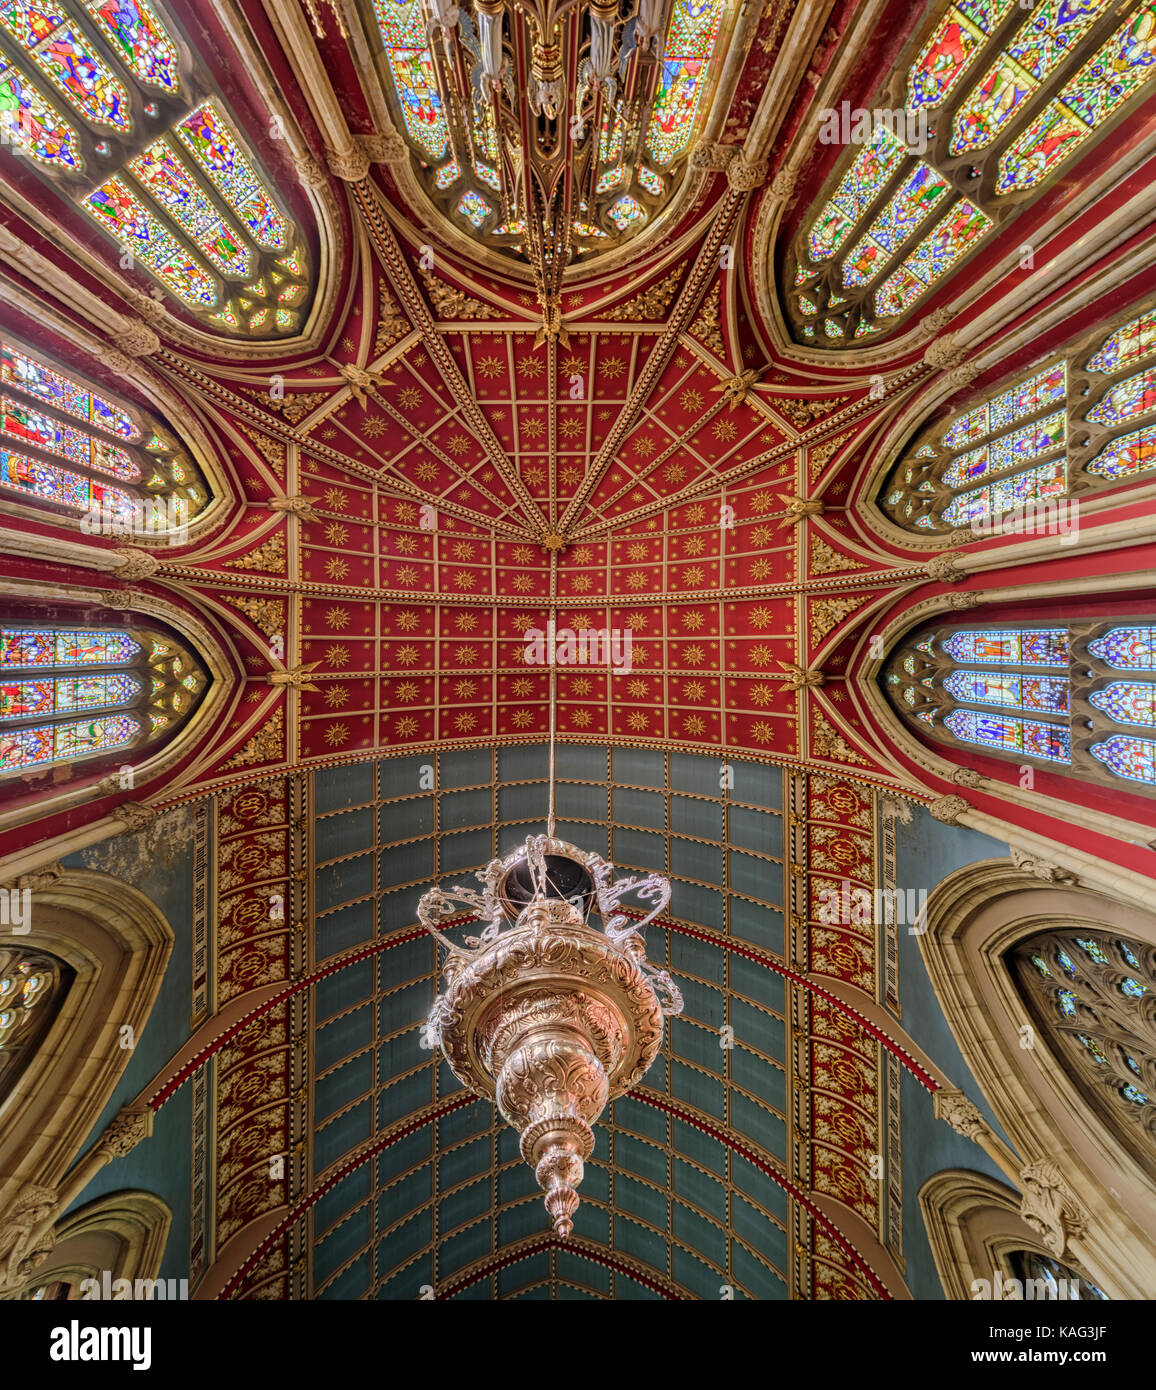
pixel 1090 993
pixel 73 452
pixel 33 985
pixel 993 103
pixel 1075 698
pixel 103 98
pixel 1081 423
pixel 458 85
pixel 71 694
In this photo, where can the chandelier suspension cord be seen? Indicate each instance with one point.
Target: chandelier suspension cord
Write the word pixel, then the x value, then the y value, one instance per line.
pixel 550 813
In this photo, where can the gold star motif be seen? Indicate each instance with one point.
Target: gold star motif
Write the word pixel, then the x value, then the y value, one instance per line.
pixel 337 619
pixel 336 534
pixel 336 568
pixel 465 622
pixel 694 725
pixel 691 401
pixel 581 718
pixel 407 576
pixel 407 655
pixel 521 687
pixel 637 720
pixel 405 692
pixel 522 718
pixel 337 655
pixel 336 696
pixel 405 727
pixel 336 735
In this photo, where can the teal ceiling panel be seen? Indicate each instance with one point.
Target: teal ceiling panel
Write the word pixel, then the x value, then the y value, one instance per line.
pixel 349 833
pixel 337 883
pixel 341 1245
pixel 342 930
pixel 338 788
pixel 335 1139
pixel 345 1035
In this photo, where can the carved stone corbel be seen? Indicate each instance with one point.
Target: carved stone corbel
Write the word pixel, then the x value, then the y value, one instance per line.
pixel 38 879
pixel 136 339
pixel 124 1132
pixel 944 569
pixel 708 158
pixel 350 165
pixel 385 147
pixel 944 353
pixel 968 777
pixel 968 599
pixel 1042 869
pixel 952 1106
pixel 743 176
pixel 134 815
pixel 783 184
pixel 948 809
pixel 119 599
pixel 136 564
pixel 1050 1207
pixel 26 1235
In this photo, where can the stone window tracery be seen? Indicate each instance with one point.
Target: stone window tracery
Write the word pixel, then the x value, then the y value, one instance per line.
pixel 1072 426
pixel 995 102
pixel 1078 697
pixel 32 989
pixel 105 102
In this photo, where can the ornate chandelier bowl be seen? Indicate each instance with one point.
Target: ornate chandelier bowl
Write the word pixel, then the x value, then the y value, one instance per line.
pixel 550 1017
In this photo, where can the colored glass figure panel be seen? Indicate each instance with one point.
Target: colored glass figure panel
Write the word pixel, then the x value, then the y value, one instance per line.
pixel 448 174
pixel 63 394
pixel 963 227
pixel 120 212
pixel 208 136
pixel 1047 694
pixel 650 181
pixel 140 39
pixel 63 54
pixel 1127 648
pixel 965 430
pixel 1037 48
pixel 474 208
pixel 1014 647
pixel 1128 702
pixel 1123 457
pixel 35 479
pixel 1049 387
pixel 951 49
pixel 21 646
pixel 20 748
pixel 1127 346
pixel 625 213
pixel 1134 759
pixel 34 427
pixel 902 216
pixel 1007 734
pixel 686 54
pixel 65 694
pixel 34 125
pixel 1008 494
pixel 1067 1003
pixel 1115 73
pixel 1134 396
pixel 857 190
pixel 414 82
pixel 164 176
pixel 1009 451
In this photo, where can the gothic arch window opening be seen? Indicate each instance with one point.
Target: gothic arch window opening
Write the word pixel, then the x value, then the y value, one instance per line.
pixel 69 694
pixel 1056 1280
pixel 65 445
pixel 1093 995
pixel 628 147
pixel 1078 697
pixel 105 102
pixel 32 988
pixel 993 104
pixel 1072 426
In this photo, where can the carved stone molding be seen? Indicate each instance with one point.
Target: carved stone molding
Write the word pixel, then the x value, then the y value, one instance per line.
pixel 311 174
pixel 120 599
pixel 134 815
pixel 386 147
pixel 944 352
pixel 136 339
pixel 297 505
pixel 1042 869
pixel 743 176
pixel 799 507
pixel 26 1237
pixel 944 569
pixel 735 389
pixel 136 564
pixel 1050 1207
pixel 38 879
pixel 802 678
pixel 895 808
pixel 960 602
pixel 968 777
pixel 708 158
pixel 124 1132
pixel 783 184
pixel 952 1106
pixel 298 677
pixel 948 809
pixel 933 324
pixel 350 165
pixel 964 374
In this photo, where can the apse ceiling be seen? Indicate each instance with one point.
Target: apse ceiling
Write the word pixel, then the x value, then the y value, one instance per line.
pixel 461 438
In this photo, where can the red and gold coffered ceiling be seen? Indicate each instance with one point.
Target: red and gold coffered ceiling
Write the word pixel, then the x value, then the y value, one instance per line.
pixel 433 474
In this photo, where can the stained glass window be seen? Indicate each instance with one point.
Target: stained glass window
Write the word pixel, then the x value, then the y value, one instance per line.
pixel 474 207
pixel 1098 1024
pixel 932 486
pixel 124 686
pixel 414 81
pixel 64 444
pixel 33 986
pixel 1017 93
pixel 686 53
pixel 1026 693
pixel 189 206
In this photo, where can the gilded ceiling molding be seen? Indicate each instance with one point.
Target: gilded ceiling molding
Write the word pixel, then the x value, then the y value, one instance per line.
pixel 863 671
pixel 976 916
pixel 218 703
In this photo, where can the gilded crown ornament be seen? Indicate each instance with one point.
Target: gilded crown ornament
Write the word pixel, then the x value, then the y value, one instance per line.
pixel 544 1013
